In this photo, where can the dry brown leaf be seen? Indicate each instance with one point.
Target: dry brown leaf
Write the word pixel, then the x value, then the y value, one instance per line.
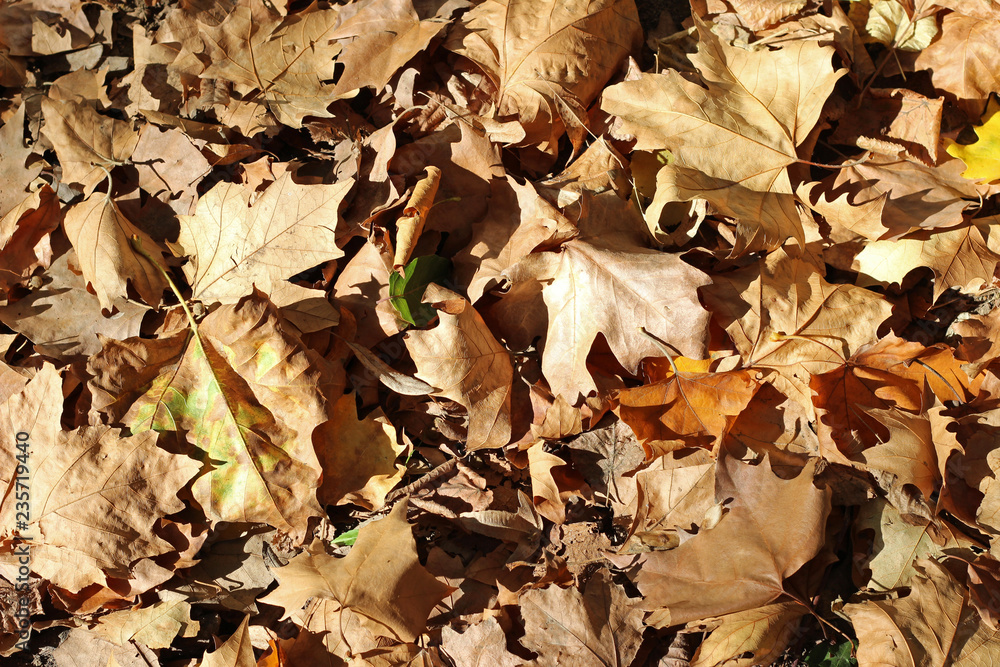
pixel 461 356
pixel 235 244
pixel 378 39
pixel 237 651
pixel 897 122
pixel 62 319
pixel 772 528
pixel 744 127
pixel 518 222
pixel 896 545
pixel 28 407
pixel 593 625
pixel 959 60
pixel 290 63
pixel 919 197
pixel 481 645
pixel 695 408
pixel 247 394
pixel 25 232
pixel 612 286
pixel 935 625
pixel 544 59
pixel 784 315
pixel 88 144
pixel 358 456
pixel 960 258
pixel 758 14
pixel 763 219
pixel 751 637
pixel 380 580
pixel 96 493
pixel 155 626
pixel 848 221
pixel 13 171
pixel 553 483
pixel 673 494
pixel 101 235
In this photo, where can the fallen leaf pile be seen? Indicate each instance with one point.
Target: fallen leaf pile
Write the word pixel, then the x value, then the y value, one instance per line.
pixel 499 332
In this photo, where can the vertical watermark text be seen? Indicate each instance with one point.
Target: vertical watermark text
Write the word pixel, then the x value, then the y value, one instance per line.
pixel 22 509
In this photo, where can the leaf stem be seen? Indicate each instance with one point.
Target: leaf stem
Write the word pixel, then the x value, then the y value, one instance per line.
pixel 137 245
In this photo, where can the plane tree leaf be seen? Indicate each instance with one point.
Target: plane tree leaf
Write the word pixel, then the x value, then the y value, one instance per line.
pixel 592 625
pixel 610 285
pixel 462 358
pixel 247 395
pixel 743 126
pixel 380 580
pixel 693 407
pixel 101 235
pixel 235 244
pixel 88 144
pixel 94 493
pixel 786 316
pixel 936 624
pixel 772 528
pixel 288 61
pixel 544 59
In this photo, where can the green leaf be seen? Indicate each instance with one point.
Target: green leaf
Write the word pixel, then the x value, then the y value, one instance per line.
pixel 405 291
pixel 345 539
pixel 825 655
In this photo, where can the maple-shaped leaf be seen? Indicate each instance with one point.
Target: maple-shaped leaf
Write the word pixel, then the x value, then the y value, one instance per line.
pixel 597 625
pixel 247 394
pixel 289 62
pixel 377 40
pixel 959 60
pixel 752 637
pixel 517 222
pixel 95 495
pixel 610 285
pixel 892 374
pixel 783 315
pixel 87 144
pixel 896 545
pixel 935 624
pixel 235 245
pixel 960 257
pixel 772 528
pixel 461 357
pixel 27 408
pixel 101 235
pixel 380 580
pixel 672 494
pixel 693 407
pixel 909 456
pixel 919 196
pixel 760 103
pixel 358 456
pixel 484 642
pixel 41 316
pixel 546 60
pixel 906 28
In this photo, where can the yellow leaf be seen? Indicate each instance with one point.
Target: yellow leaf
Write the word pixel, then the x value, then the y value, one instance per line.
pixel 981 158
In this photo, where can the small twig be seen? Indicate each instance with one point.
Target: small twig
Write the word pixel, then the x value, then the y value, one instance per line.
pixel 409 489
